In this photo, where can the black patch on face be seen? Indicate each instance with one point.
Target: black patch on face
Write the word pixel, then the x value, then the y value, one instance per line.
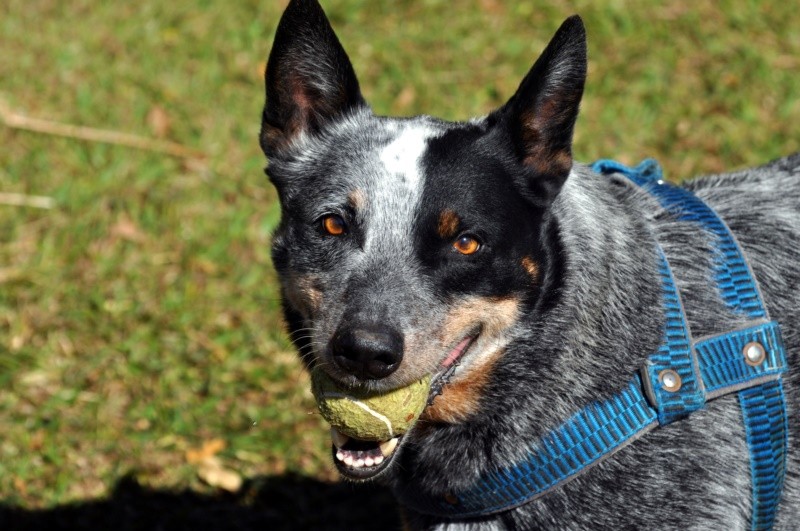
pixel 473 173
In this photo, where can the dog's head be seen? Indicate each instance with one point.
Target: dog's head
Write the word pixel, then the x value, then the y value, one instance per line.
pixel 409 245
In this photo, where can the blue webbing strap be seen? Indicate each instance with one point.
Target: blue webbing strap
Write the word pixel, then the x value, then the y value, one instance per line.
pixel 675 355
pixel 584 439
pixel 737 284
pixel 707 368
pixel 764 411
pixel 763 406
pixel 724 374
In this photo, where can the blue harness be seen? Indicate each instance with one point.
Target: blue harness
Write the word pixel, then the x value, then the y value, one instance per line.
pixel 676 380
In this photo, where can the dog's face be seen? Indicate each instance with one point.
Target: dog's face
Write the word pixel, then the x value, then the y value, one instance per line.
pixel 409 245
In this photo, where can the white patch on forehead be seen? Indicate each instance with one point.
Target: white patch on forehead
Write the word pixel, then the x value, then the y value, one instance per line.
pixel 401 156
pixel 394 192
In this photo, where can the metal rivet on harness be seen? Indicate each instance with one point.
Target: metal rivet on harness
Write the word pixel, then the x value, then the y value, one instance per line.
pixel 754 354
pixel 670 380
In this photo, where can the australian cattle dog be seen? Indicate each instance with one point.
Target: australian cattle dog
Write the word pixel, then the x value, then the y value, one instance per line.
pixel 530 286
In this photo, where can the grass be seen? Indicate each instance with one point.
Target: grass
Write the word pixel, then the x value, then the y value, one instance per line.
pixel 139 318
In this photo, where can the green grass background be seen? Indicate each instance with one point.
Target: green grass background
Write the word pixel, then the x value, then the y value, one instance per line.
pixel 139 316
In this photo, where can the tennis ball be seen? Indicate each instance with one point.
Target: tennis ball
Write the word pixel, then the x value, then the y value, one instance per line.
pixel 369 416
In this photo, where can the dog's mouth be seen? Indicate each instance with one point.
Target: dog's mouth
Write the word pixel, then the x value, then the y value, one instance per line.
pixel 450 363
pixel 358 459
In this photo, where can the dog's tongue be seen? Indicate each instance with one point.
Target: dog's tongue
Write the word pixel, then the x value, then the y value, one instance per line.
pixel 456 352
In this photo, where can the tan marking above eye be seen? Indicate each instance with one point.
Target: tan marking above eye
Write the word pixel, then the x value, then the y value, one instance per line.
pixel 448 224
pixel 531 267
pixel 357 199
pixel 334 225
pixel 461 397
pixel 466 245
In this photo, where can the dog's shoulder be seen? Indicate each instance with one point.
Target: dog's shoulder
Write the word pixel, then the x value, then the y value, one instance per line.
pixel 779 176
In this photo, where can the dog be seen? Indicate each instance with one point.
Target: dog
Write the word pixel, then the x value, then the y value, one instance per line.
pixel 523 281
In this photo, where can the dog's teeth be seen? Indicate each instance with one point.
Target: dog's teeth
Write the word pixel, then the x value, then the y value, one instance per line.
pixel 368 461
pixel 388 447
pixel 358 463
pixel 340 455
pixel 348 460
pixel 378 459
pixel 339 439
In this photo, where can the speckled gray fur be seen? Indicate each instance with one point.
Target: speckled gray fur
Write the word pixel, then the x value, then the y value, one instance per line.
pixel 693 474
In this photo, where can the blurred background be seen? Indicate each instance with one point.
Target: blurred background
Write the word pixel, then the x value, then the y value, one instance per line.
pixel 145 379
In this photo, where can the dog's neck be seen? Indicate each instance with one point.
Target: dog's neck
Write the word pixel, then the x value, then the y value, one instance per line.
pixel 716 367
pixel 601 319
pixel 608 314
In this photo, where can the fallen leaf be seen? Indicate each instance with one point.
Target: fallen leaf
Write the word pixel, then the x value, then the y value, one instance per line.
pixel 406 97
pixel 491 6
pixel 126 229
pixel 205 452
pixel 214 474
pixel 37 440
pixel 159 122
pixel 19 484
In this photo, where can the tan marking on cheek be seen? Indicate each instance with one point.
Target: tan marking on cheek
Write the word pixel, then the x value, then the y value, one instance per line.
pixel 357 199
pixel 430 342
pixel 460 400
pixel 532 268
pixel 303 294
pixel 461 397
pixel 448 224
pixel 495 314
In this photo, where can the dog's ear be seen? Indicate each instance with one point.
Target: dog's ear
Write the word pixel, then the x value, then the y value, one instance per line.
pixel 541 115
pixel 309 78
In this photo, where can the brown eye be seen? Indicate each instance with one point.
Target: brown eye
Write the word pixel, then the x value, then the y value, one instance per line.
pixel 334 225
pixel 466 245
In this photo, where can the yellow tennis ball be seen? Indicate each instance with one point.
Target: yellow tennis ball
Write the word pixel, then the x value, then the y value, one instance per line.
pixel 365 416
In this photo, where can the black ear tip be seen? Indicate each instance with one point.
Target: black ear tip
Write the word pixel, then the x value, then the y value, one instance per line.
pixel 303 8
pixel 303 3
pixel 303 11
pixel 570 39
pixel 574 20
pixel 573 26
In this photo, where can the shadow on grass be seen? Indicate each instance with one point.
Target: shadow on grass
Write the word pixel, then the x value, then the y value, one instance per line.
pixel 270 503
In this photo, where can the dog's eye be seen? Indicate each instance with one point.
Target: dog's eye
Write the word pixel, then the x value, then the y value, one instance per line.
pixel 467 244
pixel 334 225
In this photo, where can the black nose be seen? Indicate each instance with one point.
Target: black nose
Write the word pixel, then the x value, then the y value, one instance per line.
pixel 367 351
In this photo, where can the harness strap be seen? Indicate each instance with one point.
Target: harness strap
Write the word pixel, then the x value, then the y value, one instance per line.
pixel 605 427
pixel 763 406
pixel 764 411
pixel 671 375
pixel 675 381
pixel 735 280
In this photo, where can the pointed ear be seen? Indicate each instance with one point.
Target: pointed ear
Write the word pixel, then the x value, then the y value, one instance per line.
pixel 309 78
pixel 541 115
